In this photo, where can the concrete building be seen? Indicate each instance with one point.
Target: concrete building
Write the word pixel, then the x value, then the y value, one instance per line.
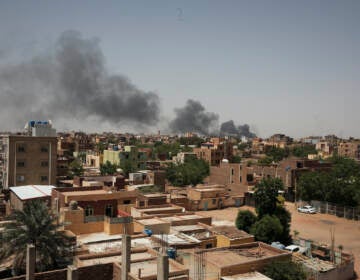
pixel 214 151
pixel 234 260
pixel 130 154
pixel 27 160
pixel 21 195
pixel 349 150
pixel 40 128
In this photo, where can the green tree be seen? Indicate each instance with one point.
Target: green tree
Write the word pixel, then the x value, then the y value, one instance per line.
pixel 35 225
pixel 127 167
pixel 108 168
pixel 266 196
pixel 284 217
pixel 303 151
pixel 285 270
pixel 244 220
pixel 276 154
pixel 268 229
pixel 191 172
pixel 76 168
pixel 235 159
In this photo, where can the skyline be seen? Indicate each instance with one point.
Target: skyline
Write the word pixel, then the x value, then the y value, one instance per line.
pixel 281 67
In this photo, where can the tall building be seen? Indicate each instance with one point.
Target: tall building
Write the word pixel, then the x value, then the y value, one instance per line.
pixel 27 160
pixel 131 154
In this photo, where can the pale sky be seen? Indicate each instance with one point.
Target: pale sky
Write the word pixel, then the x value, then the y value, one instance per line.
pixel 281 66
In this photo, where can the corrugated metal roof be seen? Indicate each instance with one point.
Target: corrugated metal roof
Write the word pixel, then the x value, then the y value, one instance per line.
pixel 32 191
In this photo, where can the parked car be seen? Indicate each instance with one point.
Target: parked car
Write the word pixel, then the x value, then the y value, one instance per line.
pixel 295 248
pixel 307 209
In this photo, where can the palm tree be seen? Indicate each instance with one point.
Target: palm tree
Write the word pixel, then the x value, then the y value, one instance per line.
pixel 35 225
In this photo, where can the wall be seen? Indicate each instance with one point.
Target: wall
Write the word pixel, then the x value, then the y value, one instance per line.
pixel 223 241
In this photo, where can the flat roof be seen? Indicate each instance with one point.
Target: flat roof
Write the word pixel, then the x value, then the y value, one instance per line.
pixel 242 254
pixel 32 191
pixel 153 221
pixel 230 232
pixel 247 276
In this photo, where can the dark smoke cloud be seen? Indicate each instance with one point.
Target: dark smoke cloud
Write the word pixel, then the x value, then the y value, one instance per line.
pixel 229 129
pixel 193 118
pixel 72 83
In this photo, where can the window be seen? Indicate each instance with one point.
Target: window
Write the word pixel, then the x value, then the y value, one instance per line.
pixel 249 177
pixel 43 178
pixel 128 201
pixel 109 210
pixel 44 163
pixel 21 148
pixel 240 179
pixel 208 246
pixel 20 178
pixel 20 163
pixel 214 201
pixel 44 149
pixel 89 210
pixel 232 171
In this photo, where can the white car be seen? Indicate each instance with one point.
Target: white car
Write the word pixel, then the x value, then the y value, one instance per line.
pixel 307 209
pixel 295 248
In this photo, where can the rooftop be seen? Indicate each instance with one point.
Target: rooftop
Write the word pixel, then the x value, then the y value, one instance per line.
pixel 32 191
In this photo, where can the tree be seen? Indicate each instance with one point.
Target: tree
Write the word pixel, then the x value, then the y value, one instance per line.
pixel 268 229
pixel 303 151
pixel 191 172
pixel 276 154
pixel 108 168
pixel 266 196
pixel 75 168
pixel 235 159
pixel 284 217
pixel 285 270
pixel 244 220
pixel 35 225
pixel 127 167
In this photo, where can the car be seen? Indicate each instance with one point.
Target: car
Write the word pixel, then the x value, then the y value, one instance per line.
pixel 295 248
pixel 307 209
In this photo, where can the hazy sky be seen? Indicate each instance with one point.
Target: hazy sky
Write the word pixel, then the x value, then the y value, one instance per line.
pixel 280 66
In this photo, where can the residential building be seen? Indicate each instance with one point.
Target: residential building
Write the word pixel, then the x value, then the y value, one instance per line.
pixel 130 155
pixel 215 151
pixel 27 160
pixel 349 149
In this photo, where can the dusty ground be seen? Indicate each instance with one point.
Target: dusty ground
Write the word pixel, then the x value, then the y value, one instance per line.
pixel 315 227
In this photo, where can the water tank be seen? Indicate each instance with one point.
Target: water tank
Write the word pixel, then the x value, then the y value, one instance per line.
pixel 171 252
pixel 148 232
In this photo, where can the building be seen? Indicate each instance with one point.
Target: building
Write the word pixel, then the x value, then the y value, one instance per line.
pixel 130 155
pixel 349 150
pixel 214 151
pixel 21 195
pixel 27 160
pixel 238 178
pixel 40 128
pixel 234 260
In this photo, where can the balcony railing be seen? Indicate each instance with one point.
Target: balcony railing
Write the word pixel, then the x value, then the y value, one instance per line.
pixel 90 219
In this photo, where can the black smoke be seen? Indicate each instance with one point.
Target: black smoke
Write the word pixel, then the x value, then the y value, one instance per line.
pixel 71 82
pixel 194 118
pixel 230 129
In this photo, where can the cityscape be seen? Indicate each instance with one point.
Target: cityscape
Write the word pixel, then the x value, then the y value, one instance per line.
pixel 179 140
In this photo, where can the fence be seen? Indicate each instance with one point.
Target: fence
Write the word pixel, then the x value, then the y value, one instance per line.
pixel 351 213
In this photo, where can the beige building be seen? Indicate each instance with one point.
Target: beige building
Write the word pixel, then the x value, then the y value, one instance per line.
pixel 349 150
pixel 27 160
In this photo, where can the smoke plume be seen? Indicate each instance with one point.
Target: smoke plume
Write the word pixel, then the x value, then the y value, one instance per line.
pixel 193 118
pixel 229 129
pixel 72 83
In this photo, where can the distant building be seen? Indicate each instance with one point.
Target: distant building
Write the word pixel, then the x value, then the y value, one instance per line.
pixel 40 128
pixel 130 154
pixel 215 151
pixel 349 150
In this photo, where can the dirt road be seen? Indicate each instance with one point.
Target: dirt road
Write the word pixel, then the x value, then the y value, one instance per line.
pixel 315 227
